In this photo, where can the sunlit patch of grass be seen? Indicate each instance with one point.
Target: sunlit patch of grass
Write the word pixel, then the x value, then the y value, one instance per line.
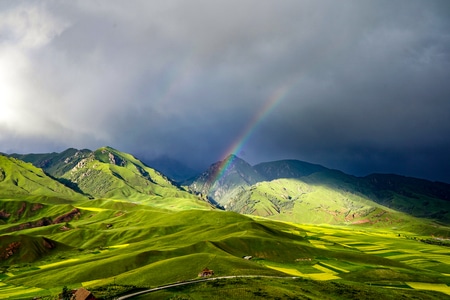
pixel 324 269
pixel 444 259
pixel 289 271
pixel 328 275
pixel 58 263
pixel 120 246
pixel 318 244
pixel 7 291
pixel 334 267
pixel 92 282
pixel 91 208
pixel 322 276
pixel 440 287
pixel 371 248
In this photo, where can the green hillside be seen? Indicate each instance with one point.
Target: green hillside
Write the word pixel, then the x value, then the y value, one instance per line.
pixel 319 236
pixel 55 164
pixel 114 246
pixel 302 192
pixel 414 196
pixel 22 180
pixel 108 173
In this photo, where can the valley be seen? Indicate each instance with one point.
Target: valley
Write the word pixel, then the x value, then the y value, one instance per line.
pixel 105 221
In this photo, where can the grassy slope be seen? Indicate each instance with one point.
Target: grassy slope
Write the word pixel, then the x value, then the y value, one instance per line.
pixel 130 243
pixel 138 245
pixel 108 173
pixel 303 192
pixel 19 179
pixel 55 164
pixel 332 197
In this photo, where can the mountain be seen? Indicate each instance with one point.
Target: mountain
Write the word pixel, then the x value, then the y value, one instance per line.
pixel 173 169
pixel 21 180
pixel 55 164
pixel 109 173
pixel 222 180
pixel 287 169
pixel 298 191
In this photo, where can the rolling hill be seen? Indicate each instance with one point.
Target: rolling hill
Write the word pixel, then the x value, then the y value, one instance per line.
pixel 22 180
pixel 108 173
pixel 124 226
pixel 303 192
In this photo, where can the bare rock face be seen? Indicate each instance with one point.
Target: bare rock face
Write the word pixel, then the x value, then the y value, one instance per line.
pixel 116 160
pixel 9 250
pixel 74 213
pixel 4 214
pixel 48 243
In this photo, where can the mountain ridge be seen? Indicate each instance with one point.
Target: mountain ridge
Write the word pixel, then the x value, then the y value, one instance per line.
pixel 234 184
pixel 408 195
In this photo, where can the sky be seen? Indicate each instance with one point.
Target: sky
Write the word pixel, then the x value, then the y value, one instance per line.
pixel 357 85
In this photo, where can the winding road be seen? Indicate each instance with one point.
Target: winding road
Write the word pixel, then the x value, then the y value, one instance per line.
pixel 195 281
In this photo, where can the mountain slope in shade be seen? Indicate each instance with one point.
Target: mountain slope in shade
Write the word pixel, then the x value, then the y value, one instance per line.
pixel 55 164
pixel 414 196
pixel 225 179
pixel 175 170
pixel 320 195
pixel 21 180
pixel 287 169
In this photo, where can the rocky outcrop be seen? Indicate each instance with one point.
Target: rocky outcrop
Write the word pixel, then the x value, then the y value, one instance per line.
pixel 9 250
pixel 74 213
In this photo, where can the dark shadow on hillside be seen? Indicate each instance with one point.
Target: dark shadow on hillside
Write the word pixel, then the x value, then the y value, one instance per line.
pixel 71 185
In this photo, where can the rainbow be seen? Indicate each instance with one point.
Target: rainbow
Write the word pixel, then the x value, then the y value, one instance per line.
pixel 270 104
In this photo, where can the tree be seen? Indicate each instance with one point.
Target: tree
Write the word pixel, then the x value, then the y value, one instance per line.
pixel 66 293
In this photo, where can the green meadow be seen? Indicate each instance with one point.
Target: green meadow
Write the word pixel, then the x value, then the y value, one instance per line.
pixel 122 245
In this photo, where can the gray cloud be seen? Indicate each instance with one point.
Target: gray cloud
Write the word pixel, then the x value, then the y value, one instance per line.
pixel 366 80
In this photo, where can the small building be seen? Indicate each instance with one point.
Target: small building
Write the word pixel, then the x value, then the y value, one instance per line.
pixel 206 273
pixel 247 257
pixel 83 294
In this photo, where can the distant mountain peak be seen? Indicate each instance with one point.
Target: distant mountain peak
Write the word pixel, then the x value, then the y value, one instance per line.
pixel 225 176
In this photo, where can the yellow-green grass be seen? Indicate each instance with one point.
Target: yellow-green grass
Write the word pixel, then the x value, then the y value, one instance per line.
pixel 315 276
pixel 443 288
pixel 319 244
pixel 91 208
pixel 324 269
pixel 59 263
pixel 334 267
pixel 11 291
pixel 130 243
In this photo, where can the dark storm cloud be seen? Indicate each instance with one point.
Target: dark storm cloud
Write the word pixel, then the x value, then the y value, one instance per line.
pixel 367 80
